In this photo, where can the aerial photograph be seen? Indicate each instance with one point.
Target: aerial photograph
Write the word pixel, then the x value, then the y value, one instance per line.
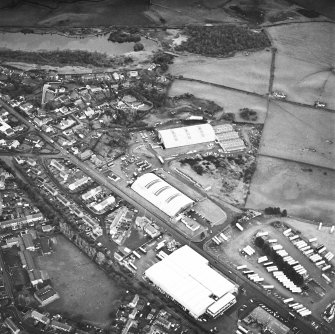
pixel 167 166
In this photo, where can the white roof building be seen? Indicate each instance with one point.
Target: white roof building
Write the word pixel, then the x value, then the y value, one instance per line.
pixel 161 194
pixel 106 202
pixel 187 278
pixel 187 135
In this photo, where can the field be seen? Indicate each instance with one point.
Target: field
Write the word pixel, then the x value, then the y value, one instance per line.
pixel 307 192
pixel 299 134
pixel 74 13
pixel 84 289
pixel 230 101
pixel 304 67
pixel 250 73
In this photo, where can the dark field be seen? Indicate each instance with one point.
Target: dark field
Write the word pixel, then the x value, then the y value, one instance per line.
pixel 73 13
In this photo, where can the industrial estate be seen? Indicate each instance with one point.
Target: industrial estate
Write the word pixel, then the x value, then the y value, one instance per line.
pixel 177 180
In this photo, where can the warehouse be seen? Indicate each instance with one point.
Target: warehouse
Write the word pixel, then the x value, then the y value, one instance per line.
pixel 188 279
pixel 187 135
pixel 161 194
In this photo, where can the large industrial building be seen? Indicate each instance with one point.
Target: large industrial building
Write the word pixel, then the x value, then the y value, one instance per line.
pixel 188 279
pixel 187 135
pixel 161 194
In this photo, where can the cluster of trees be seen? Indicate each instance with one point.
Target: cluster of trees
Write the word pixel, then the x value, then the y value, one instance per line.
pixel 262 243
pixel 275 211
pixel 122 35
pixel 248 114
pixel 221 40
pixel 61 58
pixel 163 60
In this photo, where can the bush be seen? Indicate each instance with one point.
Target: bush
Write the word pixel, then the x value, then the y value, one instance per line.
pixel 248 114
pixel 138 46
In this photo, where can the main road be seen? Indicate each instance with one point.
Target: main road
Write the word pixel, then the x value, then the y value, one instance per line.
pixel 163 220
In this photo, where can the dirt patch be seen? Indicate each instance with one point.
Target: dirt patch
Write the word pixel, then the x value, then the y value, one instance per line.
pixel 84 289
pixel 305 191
pixel 223 178
pixel 300 134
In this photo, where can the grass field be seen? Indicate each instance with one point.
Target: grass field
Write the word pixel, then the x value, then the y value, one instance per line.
pixel 300 134
pixel 305 191
pixel 230 101
pixel 84 289
pixel 250 73
pixel 304 67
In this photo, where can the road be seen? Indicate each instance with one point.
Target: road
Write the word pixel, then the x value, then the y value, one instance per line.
pixel 161 218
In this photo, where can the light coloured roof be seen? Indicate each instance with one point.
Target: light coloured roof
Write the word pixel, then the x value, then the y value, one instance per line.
pixel 187 135
pixel 187 278
pixel 161 194
pixel 221 303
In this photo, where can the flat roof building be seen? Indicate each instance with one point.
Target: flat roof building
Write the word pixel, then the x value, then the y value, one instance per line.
pixel 187 135
pixel 161 194
pixel 188 279
pixel 46 295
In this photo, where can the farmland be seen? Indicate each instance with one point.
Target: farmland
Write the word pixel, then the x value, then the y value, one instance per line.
pixel 304 67
pixel 230 101
pixel 305 191
pixel 250 73
pixel 300 134
pixel 84 289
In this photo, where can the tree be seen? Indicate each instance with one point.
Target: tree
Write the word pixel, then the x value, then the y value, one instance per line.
pixel 138 46
pixel 284 213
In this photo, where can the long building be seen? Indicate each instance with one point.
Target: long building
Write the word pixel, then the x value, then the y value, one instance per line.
pixel 187 135
pixel 188 279
pixel 161 194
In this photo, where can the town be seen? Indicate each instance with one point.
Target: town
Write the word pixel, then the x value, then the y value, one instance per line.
pixel 160 192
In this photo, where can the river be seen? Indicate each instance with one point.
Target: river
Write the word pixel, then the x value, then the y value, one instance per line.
pixel 52 42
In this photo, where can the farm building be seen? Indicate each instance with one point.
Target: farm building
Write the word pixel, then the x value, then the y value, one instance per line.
pixel 187 135
pixel 161 194
pixel 188 279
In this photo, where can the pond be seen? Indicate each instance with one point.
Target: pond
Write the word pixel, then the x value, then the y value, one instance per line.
pixel 52 42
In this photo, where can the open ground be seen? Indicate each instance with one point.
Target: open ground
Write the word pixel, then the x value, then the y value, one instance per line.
pixel 304 191
pixel 250 73
pixel 304 67
pixel 230 101
pixel 84 289
pixel 299 134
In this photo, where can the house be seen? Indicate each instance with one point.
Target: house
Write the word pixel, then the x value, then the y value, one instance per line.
pixel 10 324
pixel 151 231
pixel 47 228
pixel 85 155
pixel 60 326
pixel 28 241
pixel 40 317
